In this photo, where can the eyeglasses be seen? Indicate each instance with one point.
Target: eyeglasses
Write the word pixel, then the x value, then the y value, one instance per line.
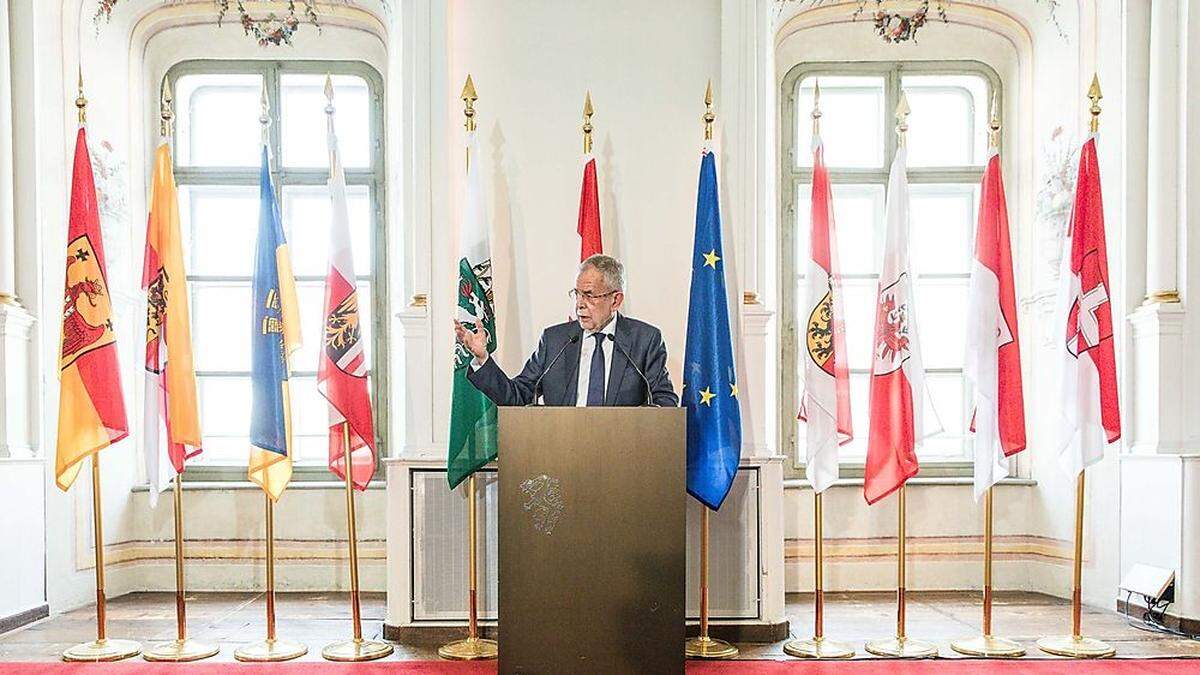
pixel 589 296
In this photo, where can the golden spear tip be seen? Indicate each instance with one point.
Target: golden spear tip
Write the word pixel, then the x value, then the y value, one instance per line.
pixel 708 99
pixel 587 104
pixel 816 111
pixel 1094 90
pixel 902 109
pixel 81 100
pixel 468 92
pixel 1095 95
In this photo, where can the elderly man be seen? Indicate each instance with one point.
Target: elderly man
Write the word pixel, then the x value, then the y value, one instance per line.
pixel 604 358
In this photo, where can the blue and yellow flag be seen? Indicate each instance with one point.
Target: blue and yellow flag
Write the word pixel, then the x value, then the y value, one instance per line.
pixel 276 335
pixel 714 420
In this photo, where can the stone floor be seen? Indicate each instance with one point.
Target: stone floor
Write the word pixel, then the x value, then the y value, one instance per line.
pixel 319 618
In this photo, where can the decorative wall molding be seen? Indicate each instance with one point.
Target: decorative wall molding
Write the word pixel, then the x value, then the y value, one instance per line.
pixel 1018 547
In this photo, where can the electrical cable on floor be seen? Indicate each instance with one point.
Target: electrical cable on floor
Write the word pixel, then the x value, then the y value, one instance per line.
pixel 1153 618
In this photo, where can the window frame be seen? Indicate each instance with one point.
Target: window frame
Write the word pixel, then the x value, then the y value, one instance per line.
pixel 373 177
pixel 792 176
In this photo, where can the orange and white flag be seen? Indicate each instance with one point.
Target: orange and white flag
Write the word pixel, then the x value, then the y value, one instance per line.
pixel 172 416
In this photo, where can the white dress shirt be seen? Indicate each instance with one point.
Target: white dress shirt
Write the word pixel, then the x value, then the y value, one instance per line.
pixel 585 360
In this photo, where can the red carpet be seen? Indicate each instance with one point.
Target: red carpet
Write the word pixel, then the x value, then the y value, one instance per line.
pixel 878 667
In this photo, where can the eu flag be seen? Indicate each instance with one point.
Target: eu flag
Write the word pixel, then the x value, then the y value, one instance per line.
pixel 714 420
pixel 275 335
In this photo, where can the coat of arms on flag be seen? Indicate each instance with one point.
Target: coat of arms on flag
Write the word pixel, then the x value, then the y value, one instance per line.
pixel 87 322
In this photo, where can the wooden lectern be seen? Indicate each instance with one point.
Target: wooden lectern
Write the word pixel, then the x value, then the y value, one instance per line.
pixel 592 540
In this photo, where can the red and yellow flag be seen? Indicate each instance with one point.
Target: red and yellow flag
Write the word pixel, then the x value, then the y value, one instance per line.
pixel 170 375
pixel 91 409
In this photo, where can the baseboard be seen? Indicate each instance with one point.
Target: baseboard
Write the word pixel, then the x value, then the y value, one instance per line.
pixel 755 633
pixel 433 634
pixel 1180 623
pixel 436 634
pixel 15 621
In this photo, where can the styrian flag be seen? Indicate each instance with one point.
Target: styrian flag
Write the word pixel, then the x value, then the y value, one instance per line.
pixel 1090 416
pixel 993 358
pixel 825 406
pixel 897 376
pixel 342 365
pixel 172 415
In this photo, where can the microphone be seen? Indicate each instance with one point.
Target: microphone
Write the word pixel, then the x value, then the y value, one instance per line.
pixel 649 399
pixel 538 384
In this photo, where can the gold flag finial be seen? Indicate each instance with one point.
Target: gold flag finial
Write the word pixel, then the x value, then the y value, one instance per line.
pixel 994 123
pixel 469 97
pixel 1095 95
pixel 902 112
pixel 166 109
pixel 816 111
pixel 587 122
pixel 709 117
pixel 81 100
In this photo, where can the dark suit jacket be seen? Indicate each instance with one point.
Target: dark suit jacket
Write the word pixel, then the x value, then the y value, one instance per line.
pixel 642 341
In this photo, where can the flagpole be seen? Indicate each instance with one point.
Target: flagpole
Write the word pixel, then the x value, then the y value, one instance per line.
pixel 473 648
pixel 987 645
pixel 356 649
pixel 901 646
pixel 101 649
pixel 1075 645
pixel 703 646
pixel 182 649
pixel 271 649
pixel 818 647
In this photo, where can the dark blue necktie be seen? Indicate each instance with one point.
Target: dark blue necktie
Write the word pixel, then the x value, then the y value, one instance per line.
pixel 596 380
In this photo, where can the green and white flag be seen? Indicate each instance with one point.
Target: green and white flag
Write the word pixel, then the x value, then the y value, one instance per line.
pixel 472 415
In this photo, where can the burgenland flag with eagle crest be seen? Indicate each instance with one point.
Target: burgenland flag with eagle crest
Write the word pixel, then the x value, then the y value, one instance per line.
pixel 171 412
pixel 473 431
pixel 342 367
pixel 897 376
pixel 91 407
pixel 275 336
pixel 825 407
pixel 1090 416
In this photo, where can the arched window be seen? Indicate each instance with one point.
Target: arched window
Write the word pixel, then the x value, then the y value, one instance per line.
pixel 218 145
pixel 947 149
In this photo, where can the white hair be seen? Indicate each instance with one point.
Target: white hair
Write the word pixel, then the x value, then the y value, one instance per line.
pixel 610 267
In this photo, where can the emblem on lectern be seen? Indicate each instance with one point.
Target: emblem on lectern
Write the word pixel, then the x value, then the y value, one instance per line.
pixel 543 501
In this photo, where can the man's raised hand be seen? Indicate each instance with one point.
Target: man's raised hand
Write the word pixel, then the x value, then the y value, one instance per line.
pixel 474 340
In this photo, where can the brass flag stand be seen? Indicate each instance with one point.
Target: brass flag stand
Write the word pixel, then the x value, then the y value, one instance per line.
pixel 356 649
pixel 1075 645
pixel 818 647
pixel 702 646
pixel 272 649
pixel 901 646
pixel 182 648
pixel 473 647
pixel 100 649
pixel 987 645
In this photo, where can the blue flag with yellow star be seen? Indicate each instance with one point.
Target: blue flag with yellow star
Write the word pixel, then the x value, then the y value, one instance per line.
pixel 714 420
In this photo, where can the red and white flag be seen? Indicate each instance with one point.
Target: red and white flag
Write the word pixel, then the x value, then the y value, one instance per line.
pixel 897 376
pixel 825 406
pixel 1090 415
pixel 342 367
pixel 993 359
pixel 589 212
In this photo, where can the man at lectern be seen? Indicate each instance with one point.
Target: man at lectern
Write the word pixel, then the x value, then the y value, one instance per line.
pixel 604 358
